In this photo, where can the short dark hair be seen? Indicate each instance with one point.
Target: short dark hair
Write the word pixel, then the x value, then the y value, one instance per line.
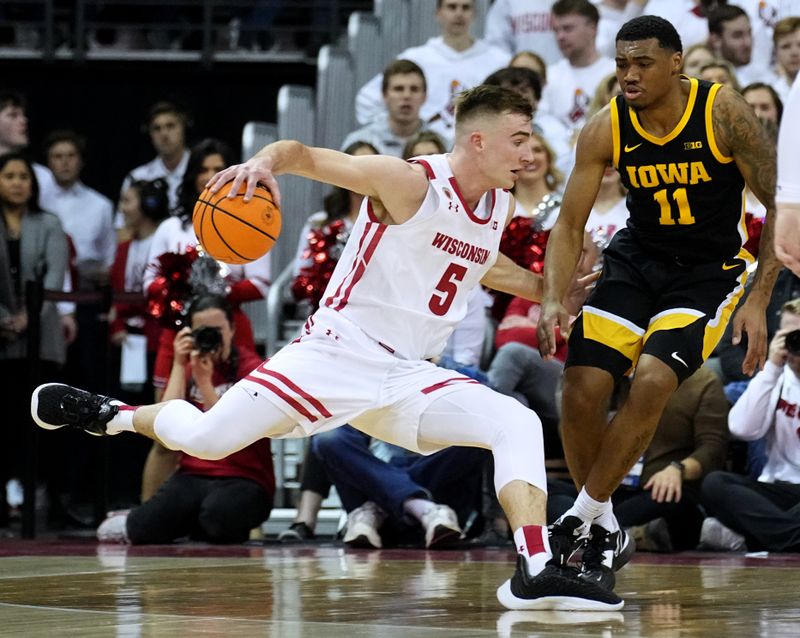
pixel 153 198
pixel 721 14
pixel 65 135
pixel 754 86
pixel 187 190
pixel 512 77
pixel 585 8
pixel 402 67
pixel 165 106
pixel 208 301
pixel 490 100
pixel 440 2
pixel 11 98
pixel 646 27
pixel 33 202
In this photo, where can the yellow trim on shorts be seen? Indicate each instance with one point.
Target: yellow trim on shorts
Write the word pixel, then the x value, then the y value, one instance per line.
pixel 615 130
pixel 613 331
pixel 712 140
pixel 672 319
pixel 716 327
pixel 681 124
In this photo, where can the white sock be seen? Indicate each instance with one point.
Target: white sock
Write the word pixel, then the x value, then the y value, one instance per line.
pixel 417 507
pixel 123 420
pixel 606 519
pixel 533 543
pixel 585 508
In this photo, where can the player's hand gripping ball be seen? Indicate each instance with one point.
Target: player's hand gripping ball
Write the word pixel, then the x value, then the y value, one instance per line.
pixel 234 231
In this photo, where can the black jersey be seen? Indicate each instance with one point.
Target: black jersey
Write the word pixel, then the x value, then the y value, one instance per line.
pixel 686 199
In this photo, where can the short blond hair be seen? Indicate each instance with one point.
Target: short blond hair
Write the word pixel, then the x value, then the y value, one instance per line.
pixel 792 306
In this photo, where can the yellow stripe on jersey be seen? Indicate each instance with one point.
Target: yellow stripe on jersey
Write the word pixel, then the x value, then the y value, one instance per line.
pixel 678 128
pixel 712 140
pixel 716 327
pixel 614 331
pixel 672 319
pixel 615 131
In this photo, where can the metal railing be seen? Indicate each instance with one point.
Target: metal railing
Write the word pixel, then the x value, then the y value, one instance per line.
pixel 180 30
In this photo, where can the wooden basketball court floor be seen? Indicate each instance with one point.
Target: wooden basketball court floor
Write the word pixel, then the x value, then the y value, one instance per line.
pixel 78 588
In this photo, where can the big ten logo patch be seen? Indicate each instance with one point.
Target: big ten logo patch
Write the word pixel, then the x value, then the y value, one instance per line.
pixel 692 146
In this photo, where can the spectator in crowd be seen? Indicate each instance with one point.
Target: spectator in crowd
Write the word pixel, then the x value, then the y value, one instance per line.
pixel 14 134
pixel 690 17
pixel 787 223
pixel 613 14
pixel 731 39
pixel 393 500
pixel 787 55
pixel 763 514
pixel 166 124
pixel 403 89
pixel 33 247
pixel 217 501
pixel 767 104
pixel 424 143
pixel 246 283
pixel 532 61
pixel 523 25
pixel 722 72
pixel 660 497
pixel 695 58
pixel 451 63
pixel 527 83
pixel 573 80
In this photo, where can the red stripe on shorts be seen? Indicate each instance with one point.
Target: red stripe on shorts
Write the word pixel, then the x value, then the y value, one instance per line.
pixel 290 400
pixel 291 384
pixel 447 382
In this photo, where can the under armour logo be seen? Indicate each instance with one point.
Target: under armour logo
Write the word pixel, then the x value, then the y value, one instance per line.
pixel 494 225
pixel 329 333
pixel 451 205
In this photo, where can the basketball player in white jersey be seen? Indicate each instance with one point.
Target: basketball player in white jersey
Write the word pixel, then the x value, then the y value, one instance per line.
pixel 428 232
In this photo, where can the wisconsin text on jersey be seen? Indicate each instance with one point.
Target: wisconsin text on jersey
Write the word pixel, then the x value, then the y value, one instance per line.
pixel 454 246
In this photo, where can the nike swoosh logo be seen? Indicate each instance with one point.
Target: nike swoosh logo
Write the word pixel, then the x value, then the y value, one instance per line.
pixel 729 266
pixel 677 358
pixel 628 149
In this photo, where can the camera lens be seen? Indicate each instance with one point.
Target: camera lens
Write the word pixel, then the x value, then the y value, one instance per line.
pixel 207 339
pixel 793 342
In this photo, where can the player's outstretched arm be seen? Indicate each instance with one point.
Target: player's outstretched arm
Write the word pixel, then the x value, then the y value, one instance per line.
pixel 738 131
pixel 398 186
pixel 506 276
pixel 593 153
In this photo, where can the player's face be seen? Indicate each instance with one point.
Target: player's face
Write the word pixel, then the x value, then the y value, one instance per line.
pixel 736 42
pixel 13 127
pixel 212 164
pixel 574 33
pixel 15 184
pixel 404 96
pixel 787 51
pixel 539 165
pixel 763 104
pixel 645 71
pixel 167 134
pixel 65 162
pixel 696 60
pixel 131 208
pixel 506 149
pixel 455 17
pixel 216 318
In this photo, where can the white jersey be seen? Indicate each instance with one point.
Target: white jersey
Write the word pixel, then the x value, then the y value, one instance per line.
pixel 406 286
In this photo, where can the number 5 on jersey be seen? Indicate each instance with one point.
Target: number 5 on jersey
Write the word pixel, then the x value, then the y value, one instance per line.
pixel 447 288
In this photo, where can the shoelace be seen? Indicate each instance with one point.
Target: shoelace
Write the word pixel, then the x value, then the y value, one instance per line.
pixel 81 409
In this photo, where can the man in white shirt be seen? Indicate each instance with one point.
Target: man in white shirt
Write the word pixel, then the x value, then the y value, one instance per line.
pixel 451 62
pixel 730 36
pixel 763 514
pixel 572 81
pixel 613 14
pixel 404 92
pixel 522 25
pixel 14 133
pixel 85 214
pixel 166 124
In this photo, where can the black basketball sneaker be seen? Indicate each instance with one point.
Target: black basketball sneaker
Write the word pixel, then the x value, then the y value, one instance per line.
pixel 55 405
pixel 566 535
pixel 555 587
pixel 605 553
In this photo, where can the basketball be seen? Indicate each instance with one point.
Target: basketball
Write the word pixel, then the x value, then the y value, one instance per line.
pixel 234 231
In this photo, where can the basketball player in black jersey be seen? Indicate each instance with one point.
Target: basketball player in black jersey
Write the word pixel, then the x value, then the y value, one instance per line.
pixel 670 281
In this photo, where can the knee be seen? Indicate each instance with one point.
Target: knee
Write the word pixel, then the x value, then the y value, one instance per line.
pixel 713 487
pixel 581 395
pixel 652 388
pixel 217 530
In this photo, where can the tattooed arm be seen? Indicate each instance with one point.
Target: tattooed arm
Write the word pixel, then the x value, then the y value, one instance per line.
pixel 740 135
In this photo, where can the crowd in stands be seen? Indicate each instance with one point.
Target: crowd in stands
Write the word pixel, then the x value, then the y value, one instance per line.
pixel 693 487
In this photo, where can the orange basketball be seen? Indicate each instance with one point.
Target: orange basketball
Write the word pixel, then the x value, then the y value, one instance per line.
pixel 234 231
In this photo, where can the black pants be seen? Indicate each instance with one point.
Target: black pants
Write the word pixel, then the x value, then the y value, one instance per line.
pixel 213 509
pixel 684 518
pixel 766 514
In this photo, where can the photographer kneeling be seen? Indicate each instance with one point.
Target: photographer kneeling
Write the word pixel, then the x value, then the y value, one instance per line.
pixel 763 514
pixel 215 501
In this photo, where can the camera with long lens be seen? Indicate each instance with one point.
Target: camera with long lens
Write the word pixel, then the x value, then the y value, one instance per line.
pixel 207 339
pixel 792 342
